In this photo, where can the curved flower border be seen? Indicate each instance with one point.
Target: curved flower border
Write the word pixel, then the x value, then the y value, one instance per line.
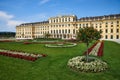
pixel 79 65
pixel 59 45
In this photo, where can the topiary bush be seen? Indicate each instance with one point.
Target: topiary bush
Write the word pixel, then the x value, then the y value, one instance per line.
pixel 94 65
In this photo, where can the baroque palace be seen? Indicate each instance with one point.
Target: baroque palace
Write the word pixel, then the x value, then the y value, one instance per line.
pixel 66 27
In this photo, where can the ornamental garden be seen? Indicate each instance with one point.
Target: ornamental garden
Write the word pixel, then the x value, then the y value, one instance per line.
pixel 59 59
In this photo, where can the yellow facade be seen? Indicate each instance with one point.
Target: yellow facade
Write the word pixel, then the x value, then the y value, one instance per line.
pixel 66 27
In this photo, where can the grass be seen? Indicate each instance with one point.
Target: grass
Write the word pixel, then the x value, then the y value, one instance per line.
pixel 54 66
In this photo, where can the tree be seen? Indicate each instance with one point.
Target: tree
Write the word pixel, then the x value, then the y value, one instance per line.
pixel 7 34
pixel 88 34
pixel 47 35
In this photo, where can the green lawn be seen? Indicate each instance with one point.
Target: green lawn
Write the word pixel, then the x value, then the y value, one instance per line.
pixel 53 67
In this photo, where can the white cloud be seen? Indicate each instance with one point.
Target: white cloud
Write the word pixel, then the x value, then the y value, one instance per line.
pixel 5 16
pixel 7 21
pixel 13 23
pixel 44 1
pixel 37 17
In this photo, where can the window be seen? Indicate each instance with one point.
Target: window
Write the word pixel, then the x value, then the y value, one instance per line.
pixel 65 30
pixel 111 25
pixel 117 36
pixel 76 24
pixel 66 19
pixel 68 24
pixel 111 30
pixel 69 31
pixel 106 31
pixel 87 25
pixel 54 31
pixel 56 20
pixel 62 19
pixel 106 37
pixel 83 25
pixel 80 25
pixel 117 30
pixel 106 23
pixel 96 26
pixel 111 36
pixel 117 25
pixel 73 31
pixel 59 20
pixel 69 19
pixel 117 22
pixel 59 31
pixel 111 22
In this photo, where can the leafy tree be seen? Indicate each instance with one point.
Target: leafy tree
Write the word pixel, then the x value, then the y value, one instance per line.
pixel 7 34
pixel 47 35
pixel 88 34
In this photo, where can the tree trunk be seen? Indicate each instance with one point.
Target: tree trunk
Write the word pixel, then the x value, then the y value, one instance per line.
pixel 87 54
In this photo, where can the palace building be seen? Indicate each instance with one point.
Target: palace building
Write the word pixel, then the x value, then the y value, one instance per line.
pixel 66 27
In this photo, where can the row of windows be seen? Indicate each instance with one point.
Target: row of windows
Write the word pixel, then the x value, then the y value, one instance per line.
pixel 111 36
pixel 106 36
pixel 42 32
pixel 60 20
pixel 62 25
pixel 112 25
pixel 25 32
pixel 106 31
pixel 66 31
pixel 62 36
pixel 96 26
pixel 60 31
pixel 80 25
pixel 24 37
pixel 56 36
pixel 112 22
pixel 42 27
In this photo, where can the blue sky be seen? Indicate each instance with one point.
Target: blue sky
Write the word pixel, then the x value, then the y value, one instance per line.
pixel 15 12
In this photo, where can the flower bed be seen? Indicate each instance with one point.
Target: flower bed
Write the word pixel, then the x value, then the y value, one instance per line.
pixel 61 45
pixel 6 40
pixel 91 48
pixel 100 51
pixel 78 64
pixel 21 55
pixel 27 43
pixel 96 49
